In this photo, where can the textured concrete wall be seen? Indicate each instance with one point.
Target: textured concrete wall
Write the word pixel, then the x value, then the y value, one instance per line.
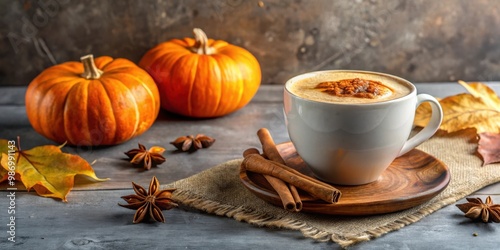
pixel 421 40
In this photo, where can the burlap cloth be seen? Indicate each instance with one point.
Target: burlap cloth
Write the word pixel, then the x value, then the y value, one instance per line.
pixel 219 191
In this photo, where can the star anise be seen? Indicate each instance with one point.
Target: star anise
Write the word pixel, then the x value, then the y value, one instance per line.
pixel 149 203
pixel 193 143
pixel 476 209
pixel 148 158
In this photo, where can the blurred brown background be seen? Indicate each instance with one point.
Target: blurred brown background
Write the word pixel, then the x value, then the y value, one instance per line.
pixel 421 40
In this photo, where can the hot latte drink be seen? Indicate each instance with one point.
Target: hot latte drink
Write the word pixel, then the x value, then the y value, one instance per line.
pixel 348 87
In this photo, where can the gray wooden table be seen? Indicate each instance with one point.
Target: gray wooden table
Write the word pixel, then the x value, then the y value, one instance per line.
pixel 92 220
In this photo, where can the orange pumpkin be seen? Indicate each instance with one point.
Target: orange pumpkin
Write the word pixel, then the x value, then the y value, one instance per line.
pixel 101 102
pixel 202 77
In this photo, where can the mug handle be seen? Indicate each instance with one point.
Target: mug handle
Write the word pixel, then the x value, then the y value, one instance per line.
pixel 430 128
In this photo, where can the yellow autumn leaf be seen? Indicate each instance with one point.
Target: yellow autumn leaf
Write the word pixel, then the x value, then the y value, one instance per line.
pixel 479 109
pixel 3 172
pixel 484 92
pixel 48 170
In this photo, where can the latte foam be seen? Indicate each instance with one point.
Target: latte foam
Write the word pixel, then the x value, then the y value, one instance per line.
pixel 306 86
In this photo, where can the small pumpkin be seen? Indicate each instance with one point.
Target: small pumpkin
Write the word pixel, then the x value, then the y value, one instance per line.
pixel 202 77
pixel 103 102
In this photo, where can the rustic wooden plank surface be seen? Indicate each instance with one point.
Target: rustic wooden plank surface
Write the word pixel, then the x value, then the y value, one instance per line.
pixel 92 220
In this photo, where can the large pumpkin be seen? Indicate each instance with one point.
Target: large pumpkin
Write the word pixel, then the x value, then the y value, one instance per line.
pixel 202 77
pixel 101 102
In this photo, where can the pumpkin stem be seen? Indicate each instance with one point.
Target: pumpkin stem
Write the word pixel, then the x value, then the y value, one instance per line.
pixel 201 46
pixel 90 71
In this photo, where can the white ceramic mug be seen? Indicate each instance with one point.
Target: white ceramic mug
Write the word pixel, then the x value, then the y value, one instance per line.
pixel 352 143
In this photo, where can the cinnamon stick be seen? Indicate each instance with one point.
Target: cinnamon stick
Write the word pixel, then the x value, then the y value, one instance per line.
pixel 279 186
pixel 296 197
pixel 258 164
pixel 268 146
pixel 283 192
pixel 272 153
pixel 250 151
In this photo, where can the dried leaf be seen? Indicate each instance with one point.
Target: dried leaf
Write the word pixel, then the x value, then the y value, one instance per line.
pixel 48 170
pixel 479 109
pixel 482 91
pixel 4 148
pixel 3 173
pixel 489 147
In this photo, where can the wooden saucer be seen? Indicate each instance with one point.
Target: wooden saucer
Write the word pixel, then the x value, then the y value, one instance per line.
pixel 410 180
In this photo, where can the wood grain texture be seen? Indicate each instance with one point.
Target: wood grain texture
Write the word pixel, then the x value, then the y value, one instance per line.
pixel 410 180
